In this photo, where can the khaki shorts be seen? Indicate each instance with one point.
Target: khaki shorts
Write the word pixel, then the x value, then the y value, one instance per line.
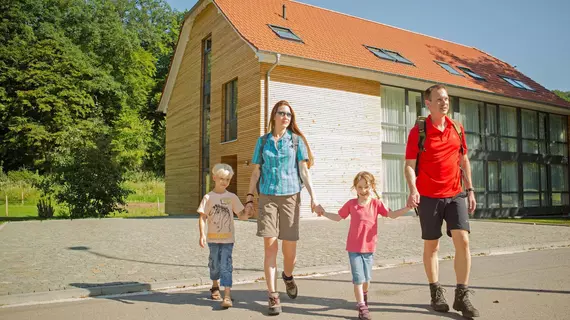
pixel 279 217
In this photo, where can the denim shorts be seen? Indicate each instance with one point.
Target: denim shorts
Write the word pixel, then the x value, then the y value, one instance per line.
pixel 220 263
pixel 361 266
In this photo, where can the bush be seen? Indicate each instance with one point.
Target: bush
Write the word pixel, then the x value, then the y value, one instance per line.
pixel 45 209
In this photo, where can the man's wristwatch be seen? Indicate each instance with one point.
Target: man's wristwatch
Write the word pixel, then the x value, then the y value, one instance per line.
pixel 470 190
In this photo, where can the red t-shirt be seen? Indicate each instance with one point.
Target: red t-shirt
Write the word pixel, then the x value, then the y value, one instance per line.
pixel 363 231
pixel 439 175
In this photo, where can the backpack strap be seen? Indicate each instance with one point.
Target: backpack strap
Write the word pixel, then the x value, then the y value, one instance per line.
pixel 421 124
pixel 457 127
pixel 295 139
pixel 263 142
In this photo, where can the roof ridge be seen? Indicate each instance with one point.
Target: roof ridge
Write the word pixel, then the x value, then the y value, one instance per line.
pixel 386 25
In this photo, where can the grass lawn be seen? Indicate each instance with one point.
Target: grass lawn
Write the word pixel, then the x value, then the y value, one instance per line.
pixel 537 221
pixel 29 212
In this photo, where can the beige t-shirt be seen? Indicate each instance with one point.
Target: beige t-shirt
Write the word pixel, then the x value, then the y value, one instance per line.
pixel 220 208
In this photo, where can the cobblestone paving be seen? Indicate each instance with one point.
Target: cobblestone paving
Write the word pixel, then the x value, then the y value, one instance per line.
pixel 54 255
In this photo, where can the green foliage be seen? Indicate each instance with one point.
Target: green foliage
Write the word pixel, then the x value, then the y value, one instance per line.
pixel 45 209
pixel 87 176
pixel 63 62
pixel 562 94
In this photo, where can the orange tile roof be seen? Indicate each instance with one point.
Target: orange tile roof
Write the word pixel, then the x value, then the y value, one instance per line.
pixel 338 38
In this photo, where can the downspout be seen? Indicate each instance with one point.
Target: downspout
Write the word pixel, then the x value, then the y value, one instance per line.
pixel 267 80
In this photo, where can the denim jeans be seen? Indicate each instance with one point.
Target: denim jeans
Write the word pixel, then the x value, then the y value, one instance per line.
pixel 361 266
pixel 220 263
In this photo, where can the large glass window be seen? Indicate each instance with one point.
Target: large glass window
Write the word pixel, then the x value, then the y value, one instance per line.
pixel 469 111
pixel 394 115
pixel 491 128
pixel 230 111
pixel 478 179
pixel 559 181
pixel 531 184
pixel 509 128
pixel 529 126
pixel 395 189
pixel 509 184
pixel 558 135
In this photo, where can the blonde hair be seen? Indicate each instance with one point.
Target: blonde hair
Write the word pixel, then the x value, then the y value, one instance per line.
pixel 223 170
pixel 369 177
pixel 292 126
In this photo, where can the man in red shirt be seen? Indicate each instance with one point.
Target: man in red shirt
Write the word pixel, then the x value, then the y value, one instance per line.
pixel 437 194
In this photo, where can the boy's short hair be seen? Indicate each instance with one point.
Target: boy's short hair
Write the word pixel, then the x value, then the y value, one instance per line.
pixel 222 170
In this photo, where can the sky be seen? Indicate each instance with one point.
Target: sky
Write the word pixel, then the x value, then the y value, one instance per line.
pixel 533 36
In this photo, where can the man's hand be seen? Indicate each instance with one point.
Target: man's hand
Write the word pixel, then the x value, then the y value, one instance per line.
pixel 471 202
pixel 413 200
pixel 203 241
pixel 319 210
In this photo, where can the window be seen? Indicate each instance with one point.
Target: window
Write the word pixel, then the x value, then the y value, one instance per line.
pixel 517 83
pixel 449 68
pixel 529 125
pixel 531 184
pixel 230 111
pixel 395 191
pixel 491 128
pixel 389 55
pixel 285 33
pixel 509 184
pixel 558 135
pixel 559 180
pixel 509 128
pixel 206 81
pixel 393 115
pixel 471 73
pixel 469 115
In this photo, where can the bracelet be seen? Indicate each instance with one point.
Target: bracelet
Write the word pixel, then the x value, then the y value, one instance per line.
pixel 470 190
pixel 250 201
pixel 250 194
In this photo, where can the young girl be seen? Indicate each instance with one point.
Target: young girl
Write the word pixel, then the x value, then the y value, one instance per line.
pixel 363 234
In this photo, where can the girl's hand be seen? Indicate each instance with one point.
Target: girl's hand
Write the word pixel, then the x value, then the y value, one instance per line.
pixel 202 241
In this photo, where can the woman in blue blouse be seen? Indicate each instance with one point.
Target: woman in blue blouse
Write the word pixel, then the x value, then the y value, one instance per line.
pixel 281 160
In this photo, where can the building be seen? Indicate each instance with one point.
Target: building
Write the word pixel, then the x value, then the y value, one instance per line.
pixel 356 86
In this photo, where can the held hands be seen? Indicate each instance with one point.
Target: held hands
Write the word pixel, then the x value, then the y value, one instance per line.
pixel 317 208
pixel 413 199
pixel 202 241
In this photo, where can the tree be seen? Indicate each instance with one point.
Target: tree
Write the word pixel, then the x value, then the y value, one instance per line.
pixel 562 94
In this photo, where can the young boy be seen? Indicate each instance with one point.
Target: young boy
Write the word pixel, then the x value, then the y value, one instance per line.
pixel 217 208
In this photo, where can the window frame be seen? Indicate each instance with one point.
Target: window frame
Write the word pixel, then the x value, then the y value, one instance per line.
pixel 472 73
pixel 276 30
pixel 519 84
pixel 442 64
pixel 389 55
pixel 225 111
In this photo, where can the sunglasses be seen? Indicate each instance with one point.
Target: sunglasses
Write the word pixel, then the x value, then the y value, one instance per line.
pixel 283 113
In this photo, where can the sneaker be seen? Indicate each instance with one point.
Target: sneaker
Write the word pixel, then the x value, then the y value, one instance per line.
pixel 463 304
pixel 215 293
pixel 227 303
pixel 291 286
pixel 438 302
pixel 363 312
pixel 274 304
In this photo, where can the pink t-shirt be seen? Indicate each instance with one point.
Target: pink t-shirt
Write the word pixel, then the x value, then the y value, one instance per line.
pixel 363 232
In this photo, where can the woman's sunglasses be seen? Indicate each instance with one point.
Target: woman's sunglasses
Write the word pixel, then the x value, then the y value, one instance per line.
pixel 283 113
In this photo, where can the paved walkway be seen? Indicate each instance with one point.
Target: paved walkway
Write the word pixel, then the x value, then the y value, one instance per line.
pixel 525 286
pixel 56 255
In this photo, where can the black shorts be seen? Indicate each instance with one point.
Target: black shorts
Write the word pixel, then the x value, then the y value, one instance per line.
pixel 433 211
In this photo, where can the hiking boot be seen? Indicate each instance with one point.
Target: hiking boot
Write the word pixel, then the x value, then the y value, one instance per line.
pixel 363 312
pixel 438 302
pixel 274 304
pixel 290 285
pixel 463 304
pixel 227 302
pixel 215 293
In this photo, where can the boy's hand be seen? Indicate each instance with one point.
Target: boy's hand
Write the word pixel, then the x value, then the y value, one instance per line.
pixel 203 241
